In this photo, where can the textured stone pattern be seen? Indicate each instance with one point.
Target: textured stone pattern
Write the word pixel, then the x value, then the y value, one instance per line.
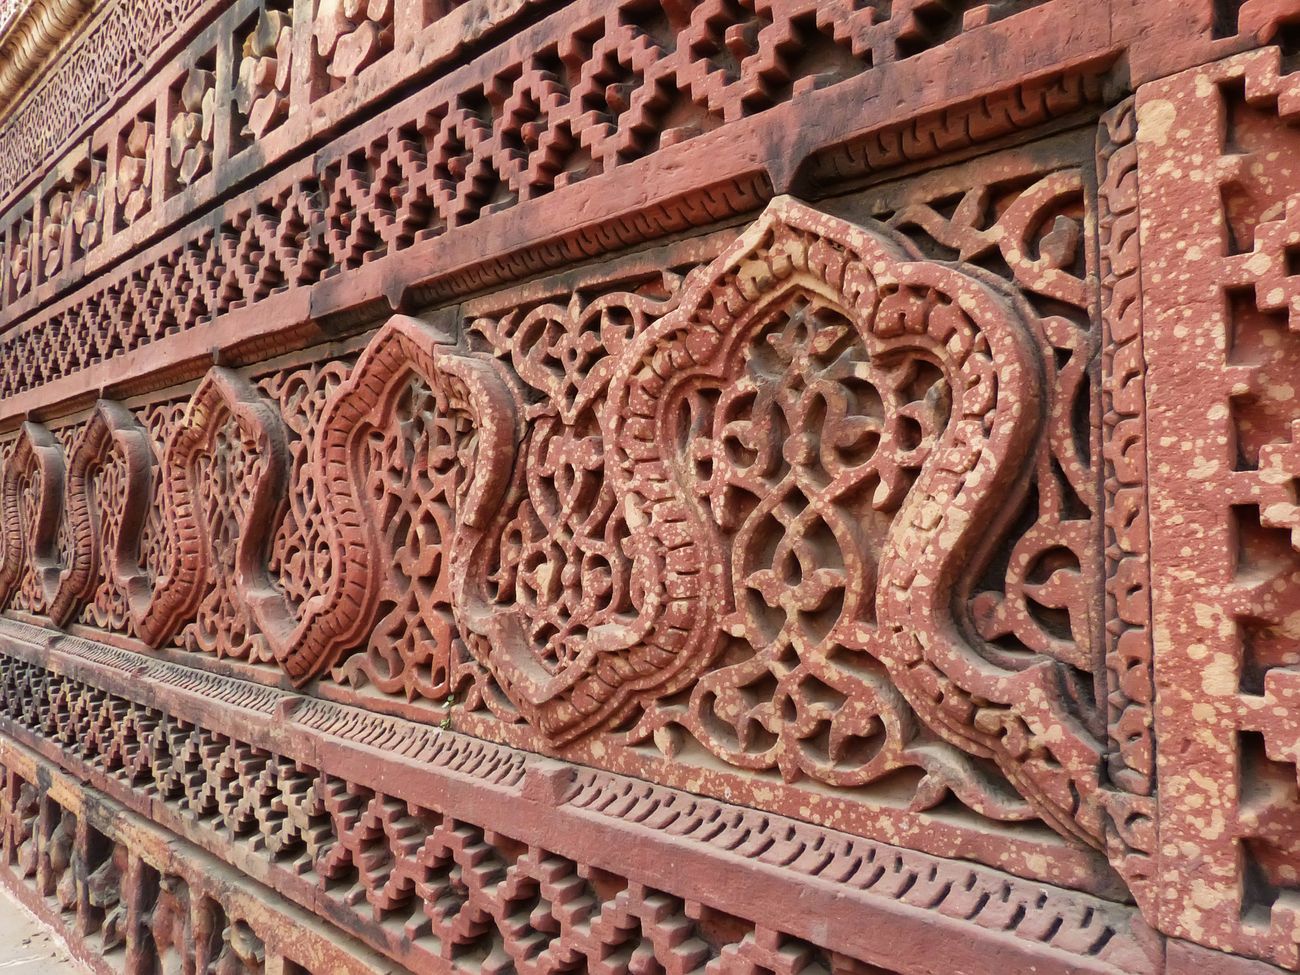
pixel 739 486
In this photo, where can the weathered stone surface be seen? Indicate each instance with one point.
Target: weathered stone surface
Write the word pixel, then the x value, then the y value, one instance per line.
pixel 737 486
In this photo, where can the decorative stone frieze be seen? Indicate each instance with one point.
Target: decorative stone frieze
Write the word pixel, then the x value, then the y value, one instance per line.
pixel 525 486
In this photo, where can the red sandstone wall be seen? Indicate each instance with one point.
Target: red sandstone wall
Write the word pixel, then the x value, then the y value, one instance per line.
pixel 653 486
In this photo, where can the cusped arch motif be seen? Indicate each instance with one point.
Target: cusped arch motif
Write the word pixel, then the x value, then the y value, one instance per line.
pixel 337 619
pixel 161 607
pixel 944 509
pixel 111 429
pixel 36 464
pixel 955 510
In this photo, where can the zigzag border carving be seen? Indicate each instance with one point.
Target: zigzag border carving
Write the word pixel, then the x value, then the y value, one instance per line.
pixel 137 742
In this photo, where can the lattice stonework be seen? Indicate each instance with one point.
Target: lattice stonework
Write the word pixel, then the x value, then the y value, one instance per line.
pixel 732 487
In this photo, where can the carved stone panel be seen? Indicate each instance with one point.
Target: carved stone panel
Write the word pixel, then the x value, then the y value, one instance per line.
pixel 1219 308
pixel 636 487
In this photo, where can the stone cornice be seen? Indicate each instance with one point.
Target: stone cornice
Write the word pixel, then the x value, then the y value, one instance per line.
pixel 30 31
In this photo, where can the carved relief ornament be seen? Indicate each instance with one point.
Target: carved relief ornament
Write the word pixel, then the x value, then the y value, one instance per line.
pixel 161 607
pixel 33 499
pixel 940 504
pixel 111 434
pixel 949 518
pixel 953 513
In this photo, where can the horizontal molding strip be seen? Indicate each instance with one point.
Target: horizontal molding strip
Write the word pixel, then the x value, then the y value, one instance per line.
pixel 850 891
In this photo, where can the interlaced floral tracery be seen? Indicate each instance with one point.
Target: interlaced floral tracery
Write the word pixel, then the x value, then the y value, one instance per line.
pixel 804 459
pixel 415 470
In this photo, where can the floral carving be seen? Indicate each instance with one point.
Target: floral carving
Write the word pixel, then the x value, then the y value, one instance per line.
pixel 1045 602
pixel 469 385
pixel 74 218
pixel 414 476
pixel 21 257
pixel 54 229
pixel 300 557
pixel 740 512
pixel 88 207
pixel 262 86
pixel 804 459
pixel 160 608
pixel 938 470
pixel 559 477
pixel 108 490
pixel 553 594
pixel 135 168
pixel 192 128
pixel 104 897
pixel 351 34
pixel 169 927
pixel 242 951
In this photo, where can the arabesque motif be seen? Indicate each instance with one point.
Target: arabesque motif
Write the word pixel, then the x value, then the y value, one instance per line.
pixel 760 490
pixel 652 487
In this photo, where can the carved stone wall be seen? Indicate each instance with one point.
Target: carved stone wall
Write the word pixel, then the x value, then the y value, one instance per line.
pixel 804 487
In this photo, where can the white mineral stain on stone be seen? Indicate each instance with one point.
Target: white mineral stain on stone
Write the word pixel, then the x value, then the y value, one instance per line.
pixel 1155 119
pixel 1219 675
pixel 1258 263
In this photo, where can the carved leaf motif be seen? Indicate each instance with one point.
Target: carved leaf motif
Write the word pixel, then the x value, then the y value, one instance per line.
pixel 20 257
pixel 192 128
pixel 352 34
pixel 135 171
pixel 58 213
pixel 88 208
